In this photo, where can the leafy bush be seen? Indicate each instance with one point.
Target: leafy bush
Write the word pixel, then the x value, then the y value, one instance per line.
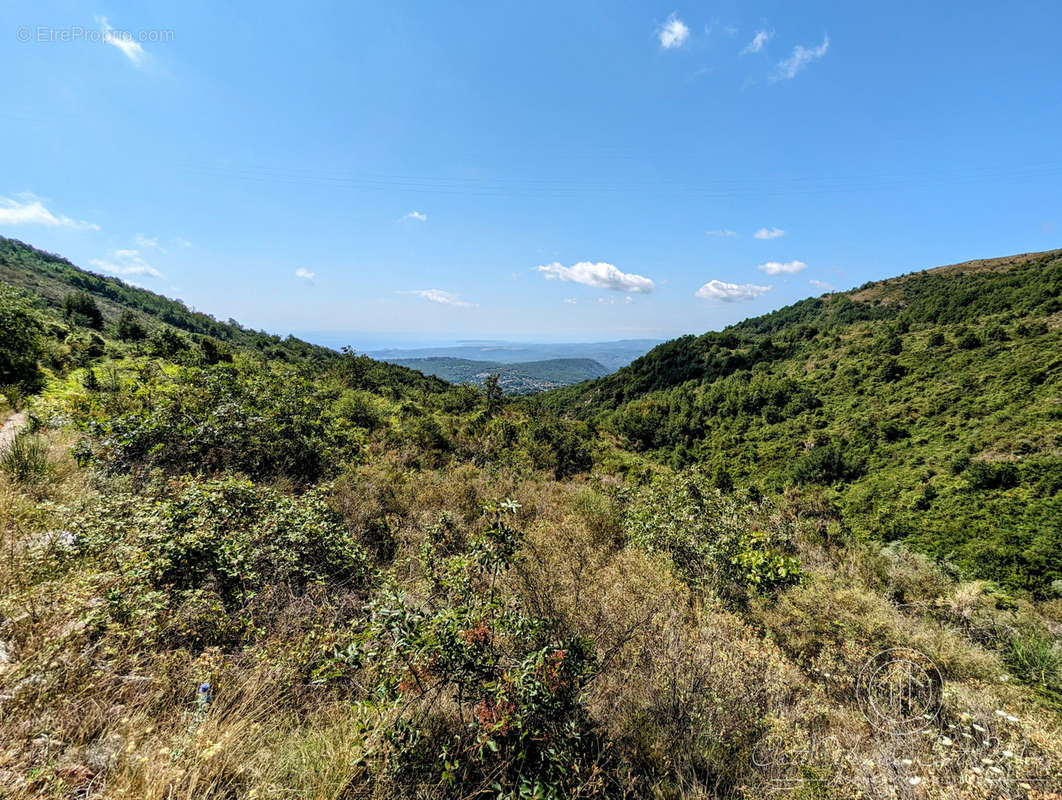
pixel 519 729
pixel 827 463
pixel 129 327
pixel 712 540
pixel 223 418
pixel 559 446
pixel 81 309
pixel 981 475
pixel 20 343
pixel 207 550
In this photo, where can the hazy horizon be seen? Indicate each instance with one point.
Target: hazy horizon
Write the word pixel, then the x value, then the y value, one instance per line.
pixel 643 171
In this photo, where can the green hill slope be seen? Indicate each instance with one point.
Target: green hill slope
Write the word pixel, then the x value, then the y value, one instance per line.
pixel 522 378
pixel 49 280
pixel 927 408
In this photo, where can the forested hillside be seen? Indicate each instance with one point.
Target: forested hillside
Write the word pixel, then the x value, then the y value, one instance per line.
pixel 237 566
pixel 926 409
pixel 527 377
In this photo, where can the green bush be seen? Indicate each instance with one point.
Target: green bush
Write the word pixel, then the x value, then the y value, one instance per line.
pixel 129 327
pixel 82 310
pixel 1036 659
pixel 219 418
pixel 712 539
pixel 827 463
pixel 207 550
pixel 522 731
pixel 21 343
pixel 25 459
pixel 981 475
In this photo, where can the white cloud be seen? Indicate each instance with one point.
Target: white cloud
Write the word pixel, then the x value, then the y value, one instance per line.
pixel 826 287
pixel 773 233
pixel 125 263
pixel 759 41
pixel 31 211
pixel 145 241
pixel 599 275
pixel 780 267
pixel 304 274
pixel 440 296
pixel 673 33
pixel 570 301
pixel 123 41
pixel 722 233
pixel 628 299
pixel 731 292
pixel 802 56
pixel 182 242
pixel 416 215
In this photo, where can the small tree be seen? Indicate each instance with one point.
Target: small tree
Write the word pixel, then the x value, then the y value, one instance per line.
pixel 81 309
pixel 492 394
pixel 129 328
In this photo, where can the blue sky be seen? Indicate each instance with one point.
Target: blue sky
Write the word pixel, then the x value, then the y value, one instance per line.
pixel 550 171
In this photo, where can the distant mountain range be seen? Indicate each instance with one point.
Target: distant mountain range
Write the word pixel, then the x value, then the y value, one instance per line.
pixel 611 355
pixel 525 377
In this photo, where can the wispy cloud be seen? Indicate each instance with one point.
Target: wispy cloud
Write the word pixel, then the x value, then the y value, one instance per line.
pixel 599 275
pixel 802 56
pixel 125 263
pixel 721 233
pixel 782 267
pixel 146 241
pixel 31 211
pixel 416 215
pixel 731 292
pixel 673 33
pixel 826 287
pixel 305 275
pixel 759 41
pixel 773 233
pixel 570 301
pixel 123 41
pixel 443 297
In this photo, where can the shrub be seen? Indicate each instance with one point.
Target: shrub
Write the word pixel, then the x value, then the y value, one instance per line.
pixel 518 728
pixel 14 395
pixel 827 463
pixel 129 327
pixel 980 475
pixel 223 418
pixel 713 541
pixel 25 460
pixel 21 343
pixel 1035 659
pixel 81 309
pixel 559 446
pixel 166 343
pixel 207 550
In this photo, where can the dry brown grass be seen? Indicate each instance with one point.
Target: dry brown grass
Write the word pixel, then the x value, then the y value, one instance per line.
pixel 693 698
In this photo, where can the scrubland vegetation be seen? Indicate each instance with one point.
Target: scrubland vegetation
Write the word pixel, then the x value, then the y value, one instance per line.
pixel 664 583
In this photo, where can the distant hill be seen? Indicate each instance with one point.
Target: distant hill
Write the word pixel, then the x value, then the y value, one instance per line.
pixel 521 378
pixel 927 408
pixel 612 355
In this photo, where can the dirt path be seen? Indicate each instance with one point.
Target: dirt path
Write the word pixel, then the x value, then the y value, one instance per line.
pixel 11 428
